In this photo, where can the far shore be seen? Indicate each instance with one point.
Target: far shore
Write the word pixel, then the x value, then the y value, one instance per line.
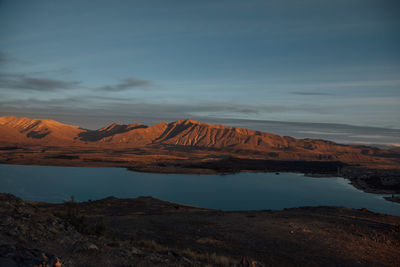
pixel 360 177
pixel 393 198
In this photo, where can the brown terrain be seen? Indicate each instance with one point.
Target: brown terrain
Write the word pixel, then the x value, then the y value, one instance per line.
pixel 189 146
pixel 150 232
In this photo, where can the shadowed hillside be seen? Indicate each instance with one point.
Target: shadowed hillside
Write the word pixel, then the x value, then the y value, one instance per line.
pixel 150 232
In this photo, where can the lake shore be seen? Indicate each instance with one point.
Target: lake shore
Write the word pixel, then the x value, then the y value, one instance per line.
pixel 376 179
pixel 393 199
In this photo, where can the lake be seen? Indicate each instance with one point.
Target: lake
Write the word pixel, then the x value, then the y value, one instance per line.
pixel 242 191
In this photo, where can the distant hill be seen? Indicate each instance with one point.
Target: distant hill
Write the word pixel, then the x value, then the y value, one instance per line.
pixel 37 131
pixel 190 134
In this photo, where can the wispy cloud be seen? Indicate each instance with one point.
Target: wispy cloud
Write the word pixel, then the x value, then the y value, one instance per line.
pixel 24 82
pixel 2 57
pixel 28 82
pixel 60 71
pixel 126 84
pixel 309 93
pixel 134 107
pixel 361 83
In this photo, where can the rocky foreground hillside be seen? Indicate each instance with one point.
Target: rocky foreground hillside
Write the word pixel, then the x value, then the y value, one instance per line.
pixel 31 235
pixel 150 232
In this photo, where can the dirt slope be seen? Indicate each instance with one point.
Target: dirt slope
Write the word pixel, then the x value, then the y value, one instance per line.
pixel 151 232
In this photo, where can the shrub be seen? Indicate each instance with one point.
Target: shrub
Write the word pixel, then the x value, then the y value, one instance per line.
pixel 72 215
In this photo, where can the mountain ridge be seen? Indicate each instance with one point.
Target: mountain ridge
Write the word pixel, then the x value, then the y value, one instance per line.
pixel 187 138
pixel 40 128
pixel 181 132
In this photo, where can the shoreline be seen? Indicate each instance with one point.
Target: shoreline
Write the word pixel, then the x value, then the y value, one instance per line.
pixel 360 183
pixel 395 199
pixel 361 178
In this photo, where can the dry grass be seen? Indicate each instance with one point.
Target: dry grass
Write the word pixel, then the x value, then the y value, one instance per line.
pixel 211 259
pixel 152 245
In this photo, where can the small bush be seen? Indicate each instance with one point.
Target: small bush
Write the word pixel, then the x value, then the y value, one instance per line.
pixel 100 227
pixel 72 215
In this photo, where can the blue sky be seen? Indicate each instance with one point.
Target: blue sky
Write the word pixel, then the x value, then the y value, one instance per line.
pixel 90 62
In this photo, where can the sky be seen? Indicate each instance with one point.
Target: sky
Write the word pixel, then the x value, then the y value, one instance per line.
pixel 95 62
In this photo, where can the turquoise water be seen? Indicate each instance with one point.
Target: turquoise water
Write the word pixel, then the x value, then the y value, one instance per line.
pixel 243 191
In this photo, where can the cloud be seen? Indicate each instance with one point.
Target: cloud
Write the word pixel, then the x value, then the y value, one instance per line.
pixel 135 107
pixel 28 82
pixel 126 84
pixel 60 71
pixel 24 82
pixel 309 93
pixel 2 58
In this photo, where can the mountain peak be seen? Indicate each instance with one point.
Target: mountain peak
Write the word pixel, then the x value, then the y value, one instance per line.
pixel 39 128
pixel 187 121
pixel 25 121
pixel 7 118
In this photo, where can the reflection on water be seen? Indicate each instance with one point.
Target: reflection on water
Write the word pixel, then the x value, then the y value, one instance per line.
pixel 243 191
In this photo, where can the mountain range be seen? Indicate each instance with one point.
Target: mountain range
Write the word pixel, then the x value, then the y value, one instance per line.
pixel 183 133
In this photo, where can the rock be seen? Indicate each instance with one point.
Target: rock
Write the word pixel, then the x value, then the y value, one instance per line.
pixel 173 254
pixel 246 262
pixel 84 246
pixel 53 230
pixel 136 251
pixel 7 221
pixel 26 217
pixel 114 244
pixel 155 259
pixel 8 262
pixel 13 232
pixel 187 260
pixel 20 256
pixel 121 252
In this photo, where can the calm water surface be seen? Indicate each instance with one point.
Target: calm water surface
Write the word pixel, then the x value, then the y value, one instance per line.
pixel 243 191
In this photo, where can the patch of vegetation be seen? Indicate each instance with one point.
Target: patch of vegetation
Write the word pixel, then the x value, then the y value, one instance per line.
pixel 72 215
pixel 213 259
pixel 152 245
pixel 210 259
